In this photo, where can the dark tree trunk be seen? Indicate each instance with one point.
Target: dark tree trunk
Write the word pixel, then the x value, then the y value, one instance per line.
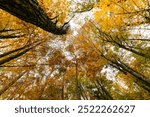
pixel 31 12
pixel 20 51
pixel 77 90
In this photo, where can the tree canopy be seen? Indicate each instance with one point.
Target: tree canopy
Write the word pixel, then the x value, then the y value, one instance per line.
pixel 68 49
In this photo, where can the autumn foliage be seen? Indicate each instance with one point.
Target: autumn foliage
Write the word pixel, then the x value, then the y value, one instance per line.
pixel 104 56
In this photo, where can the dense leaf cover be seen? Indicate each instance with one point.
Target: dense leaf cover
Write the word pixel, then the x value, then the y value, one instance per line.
pixel 48 53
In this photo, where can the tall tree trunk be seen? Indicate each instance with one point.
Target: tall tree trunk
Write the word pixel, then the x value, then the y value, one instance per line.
pixel 108 38
pixel 77 91
pixel 144 81
pixel 20 53
pixel 12 83
pixel 31 12
pixel 62 88
pixel 83 92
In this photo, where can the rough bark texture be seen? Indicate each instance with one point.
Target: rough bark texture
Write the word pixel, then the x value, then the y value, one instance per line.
pixel 31 12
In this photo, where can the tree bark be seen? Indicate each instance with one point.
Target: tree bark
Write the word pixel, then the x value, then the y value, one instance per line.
pixel 31 12
pixel 77 91
pixel 144 82
pixel 22 51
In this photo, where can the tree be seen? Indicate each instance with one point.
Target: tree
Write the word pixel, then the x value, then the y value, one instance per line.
pixel 106 58
pixel 30 11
